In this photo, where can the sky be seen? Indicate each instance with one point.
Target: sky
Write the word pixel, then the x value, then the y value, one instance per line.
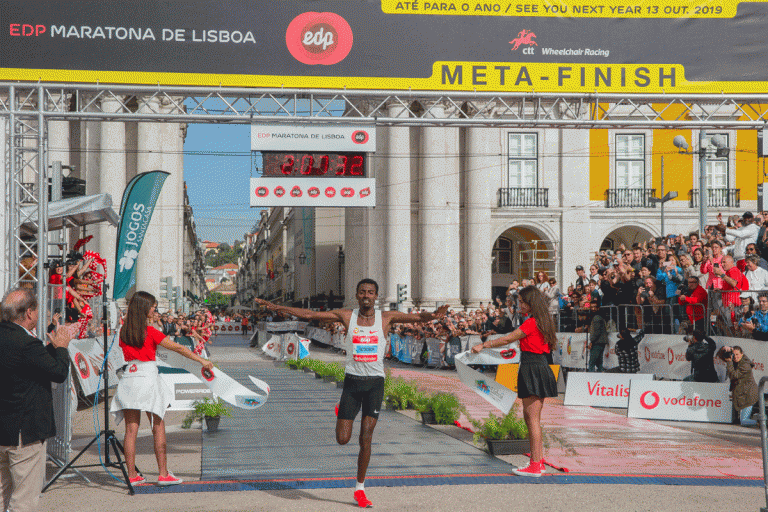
pixel 217 169
pixel 218 166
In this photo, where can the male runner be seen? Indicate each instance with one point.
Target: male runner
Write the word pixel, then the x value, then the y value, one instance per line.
pixel 366 344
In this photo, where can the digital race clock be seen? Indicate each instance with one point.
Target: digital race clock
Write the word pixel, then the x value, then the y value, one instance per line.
pixel 314 165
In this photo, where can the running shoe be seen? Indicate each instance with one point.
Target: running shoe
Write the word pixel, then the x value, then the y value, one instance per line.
pixel 165 481
pixel 138 479
pixel 534 469
pixel 362 500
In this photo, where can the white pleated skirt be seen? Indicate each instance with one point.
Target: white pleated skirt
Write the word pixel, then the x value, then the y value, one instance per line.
pixel 140 388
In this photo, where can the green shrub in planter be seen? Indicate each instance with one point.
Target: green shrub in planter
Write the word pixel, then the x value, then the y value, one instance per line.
pixel 400 394
pixel 205 408
pixel 336 371
pixel 505 427
pixel 446 408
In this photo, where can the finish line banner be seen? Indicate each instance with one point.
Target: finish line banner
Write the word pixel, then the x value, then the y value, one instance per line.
pixel 569 46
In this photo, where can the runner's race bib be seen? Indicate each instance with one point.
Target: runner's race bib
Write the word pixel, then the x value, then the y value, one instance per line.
pixel 365 346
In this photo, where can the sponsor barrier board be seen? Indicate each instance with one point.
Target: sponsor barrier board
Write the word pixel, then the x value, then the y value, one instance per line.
pixel 600 389
pixel 680 401
pixel 87 356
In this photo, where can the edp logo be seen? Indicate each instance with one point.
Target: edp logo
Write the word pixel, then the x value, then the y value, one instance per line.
pixel 319 38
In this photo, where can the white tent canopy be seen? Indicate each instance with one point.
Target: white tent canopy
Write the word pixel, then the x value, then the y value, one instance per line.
pixel 75 211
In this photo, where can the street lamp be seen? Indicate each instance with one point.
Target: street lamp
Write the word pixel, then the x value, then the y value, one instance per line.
pixel 302 258
pixel 672 194
pixel 721 152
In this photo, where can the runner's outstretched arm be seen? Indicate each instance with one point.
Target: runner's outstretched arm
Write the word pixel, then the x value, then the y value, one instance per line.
pixel 396 317
pixel 337 315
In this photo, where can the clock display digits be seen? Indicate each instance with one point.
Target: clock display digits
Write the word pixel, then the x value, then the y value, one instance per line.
pixel 287 166
pixel 300 164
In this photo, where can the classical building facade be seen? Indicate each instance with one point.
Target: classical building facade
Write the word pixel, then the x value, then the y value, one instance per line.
pixel 460 212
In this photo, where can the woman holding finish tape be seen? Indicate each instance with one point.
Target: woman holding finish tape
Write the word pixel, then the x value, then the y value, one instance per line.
pixel 140 387
pixel 535 380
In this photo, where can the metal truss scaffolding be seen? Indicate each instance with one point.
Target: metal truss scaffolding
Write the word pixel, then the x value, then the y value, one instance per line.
pixel 25 110
pixel 414 108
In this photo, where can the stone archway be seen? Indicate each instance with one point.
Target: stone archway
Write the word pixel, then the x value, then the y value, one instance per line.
pixel 626 235
pixel 518 253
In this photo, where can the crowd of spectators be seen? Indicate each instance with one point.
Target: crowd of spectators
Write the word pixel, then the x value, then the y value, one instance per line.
pixel 717 283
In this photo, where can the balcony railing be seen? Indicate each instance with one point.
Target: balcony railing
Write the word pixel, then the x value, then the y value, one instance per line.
pixel 716 197
pixel 524 197
pixel 629 198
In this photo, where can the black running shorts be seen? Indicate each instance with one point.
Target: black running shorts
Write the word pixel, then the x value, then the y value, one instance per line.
pixel 365 392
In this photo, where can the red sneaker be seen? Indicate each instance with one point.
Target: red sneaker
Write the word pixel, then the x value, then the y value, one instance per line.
pixel 138 479
pixel 534 469
pixel 362 501
pixel 168 480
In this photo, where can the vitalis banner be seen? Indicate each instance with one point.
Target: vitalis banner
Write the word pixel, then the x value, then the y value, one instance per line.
pixel 646 46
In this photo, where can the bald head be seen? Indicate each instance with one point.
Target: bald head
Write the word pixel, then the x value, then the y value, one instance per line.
pixel 16 303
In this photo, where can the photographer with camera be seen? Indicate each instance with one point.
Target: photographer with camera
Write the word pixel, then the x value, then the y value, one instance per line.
pixel 758 323
pixel 701 353
pixel 738 367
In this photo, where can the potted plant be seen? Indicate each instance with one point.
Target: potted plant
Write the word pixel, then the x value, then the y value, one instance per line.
pixel 446 408
pixel 423 404
pixel 399 394
pixel 210 410
pixel 505 435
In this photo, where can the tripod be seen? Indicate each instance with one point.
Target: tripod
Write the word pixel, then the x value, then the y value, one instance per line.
pixel 110 441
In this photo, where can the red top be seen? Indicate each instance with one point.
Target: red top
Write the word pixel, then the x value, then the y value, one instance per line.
pixel 148 350
pixel 733 299
pixel 533 340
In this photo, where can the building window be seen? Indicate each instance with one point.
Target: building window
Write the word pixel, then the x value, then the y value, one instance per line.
pixel 630 160
pixel 717 168
pixel 523 166
pixel 502 257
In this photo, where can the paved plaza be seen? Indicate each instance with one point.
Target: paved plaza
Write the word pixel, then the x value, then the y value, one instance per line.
pixel 283 456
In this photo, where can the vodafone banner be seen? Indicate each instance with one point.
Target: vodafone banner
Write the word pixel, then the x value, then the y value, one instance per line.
pixel 680 401
pixel 600 389
pixel 311 192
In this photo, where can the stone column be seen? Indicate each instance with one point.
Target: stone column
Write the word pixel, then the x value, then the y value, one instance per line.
pixel 113 181
pixel 482 150
pixel 439 251
pixel 575 230
pixel 397 155
pixel 149 266
pixel 59 151
pixel 171 201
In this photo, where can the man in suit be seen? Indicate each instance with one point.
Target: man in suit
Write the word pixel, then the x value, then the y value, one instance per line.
pixel 27 368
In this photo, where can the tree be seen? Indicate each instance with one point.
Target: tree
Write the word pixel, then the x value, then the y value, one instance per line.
pixel 217 300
